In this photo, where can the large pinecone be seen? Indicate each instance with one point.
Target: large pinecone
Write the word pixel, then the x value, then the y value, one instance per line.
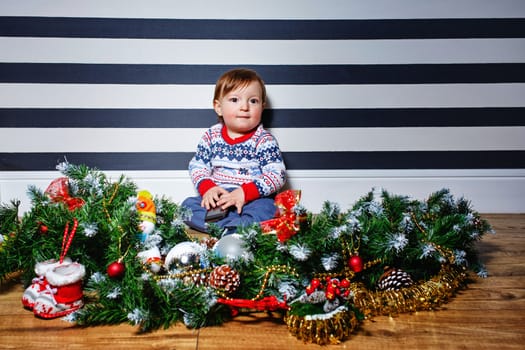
pixel 225 279
pixel 394 279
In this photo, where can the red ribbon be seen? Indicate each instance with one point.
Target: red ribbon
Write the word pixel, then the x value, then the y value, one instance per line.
pixel 58 191
pixel 286 223
pixel 265 304
pixel 286 201
pixel 284 227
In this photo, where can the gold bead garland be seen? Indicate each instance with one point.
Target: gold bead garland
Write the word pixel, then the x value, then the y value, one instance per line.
pixel 116 186
pixel 181 275
pixel 269 271
pixel 445 252
pixel 347 272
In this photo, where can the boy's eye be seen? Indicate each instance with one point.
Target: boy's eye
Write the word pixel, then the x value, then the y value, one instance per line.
pixel 233 99
pixel 254 101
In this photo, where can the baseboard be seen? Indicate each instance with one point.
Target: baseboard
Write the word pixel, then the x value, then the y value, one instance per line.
pixel 489 191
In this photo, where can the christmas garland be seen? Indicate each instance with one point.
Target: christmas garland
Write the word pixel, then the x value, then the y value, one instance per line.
pixel 323 273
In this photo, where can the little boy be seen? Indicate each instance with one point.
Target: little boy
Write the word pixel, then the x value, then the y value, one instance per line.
pixel 238 166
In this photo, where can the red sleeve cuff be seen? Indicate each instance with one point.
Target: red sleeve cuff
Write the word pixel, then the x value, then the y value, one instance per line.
pixel 205 185
pixel 250 191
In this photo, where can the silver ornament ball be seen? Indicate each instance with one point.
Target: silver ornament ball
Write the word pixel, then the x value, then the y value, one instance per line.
pixel 183 256
pixel 232 247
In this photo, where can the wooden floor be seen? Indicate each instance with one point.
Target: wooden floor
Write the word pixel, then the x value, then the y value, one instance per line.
pixel 490 314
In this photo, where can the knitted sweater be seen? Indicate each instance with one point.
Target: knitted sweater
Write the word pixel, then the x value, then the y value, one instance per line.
pixel 253 162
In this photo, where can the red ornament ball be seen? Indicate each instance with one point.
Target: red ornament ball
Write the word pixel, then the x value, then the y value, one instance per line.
pixel 116 269
pixel 42 228
pixel 356 263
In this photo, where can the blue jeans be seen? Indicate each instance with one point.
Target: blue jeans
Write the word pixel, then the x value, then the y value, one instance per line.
pixel 253 212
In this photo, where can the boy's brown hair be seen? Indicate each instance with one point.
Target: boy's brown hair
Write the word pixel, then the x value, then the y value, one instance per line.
pixel 236 78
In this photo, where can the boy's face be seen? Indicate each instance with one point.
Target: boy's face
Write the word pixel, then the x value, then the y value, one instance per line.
pixel 241 109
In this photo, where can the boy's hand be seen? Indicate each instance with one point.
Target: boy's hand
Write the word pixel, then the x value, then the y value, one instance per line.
pixel 234 198
pixel 212 196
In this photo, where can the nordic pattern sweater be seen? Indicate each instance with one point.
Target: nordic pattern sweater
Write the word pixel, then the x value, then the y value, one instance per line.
pixel 253 162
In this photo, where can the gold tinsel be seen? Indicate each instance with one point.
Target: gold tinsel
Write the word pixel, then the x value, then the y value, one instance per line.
pixel 425 295
pixel 324 328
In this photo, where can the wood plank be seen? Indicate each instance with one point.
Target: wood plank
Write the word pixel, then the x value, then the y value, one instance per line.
pixel 19 328
pixel 488 314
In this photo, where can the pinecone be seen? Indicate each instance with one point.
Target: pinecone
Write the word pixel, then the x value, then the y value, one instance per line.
pixel 394 279
pixel 225 279
pixel 197 278
pixel 209 242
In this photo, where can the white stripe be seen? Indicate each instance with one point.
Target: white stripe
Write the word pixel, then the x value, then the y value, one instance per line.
pixel 401 139
pixel 296 139
pixel 397 96
pixel 164 175
pixel 280 96
pixel 489 190
pixel 228 9
pixel 266 52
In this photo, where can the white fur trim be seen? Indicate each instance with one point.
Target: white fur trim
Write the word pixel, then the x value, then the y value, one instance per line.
pixel 42 267
pixel 146 227
pixel 65 274
pixel 327 316
pixel 149 254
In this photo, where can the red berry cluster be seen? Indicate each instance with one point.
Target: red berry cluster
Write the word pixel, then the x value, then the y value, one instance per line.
pixel 332 288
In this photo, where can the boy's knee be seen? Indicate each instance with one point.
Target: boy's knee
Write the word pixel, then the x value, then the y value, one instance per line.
pixel 262 209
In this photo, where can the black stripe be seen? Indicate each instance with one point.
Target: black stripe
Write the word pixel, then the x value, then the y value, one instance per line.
pixel 272 118
pixel 102 161
pixel 106 118
pixel 294 160
pixel 406 160
pixel 275 74
pixel 262 29
pixel 401 117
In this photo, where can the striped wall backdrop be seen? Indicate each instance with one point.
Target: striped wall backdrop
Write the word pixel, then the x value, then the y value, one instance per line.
pixel 409 95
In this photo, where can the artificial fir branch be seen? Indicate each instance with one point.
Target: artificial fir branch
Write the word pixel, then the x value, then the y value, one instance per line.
pixel 385 230
pixel 9 216
pixel 9 238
